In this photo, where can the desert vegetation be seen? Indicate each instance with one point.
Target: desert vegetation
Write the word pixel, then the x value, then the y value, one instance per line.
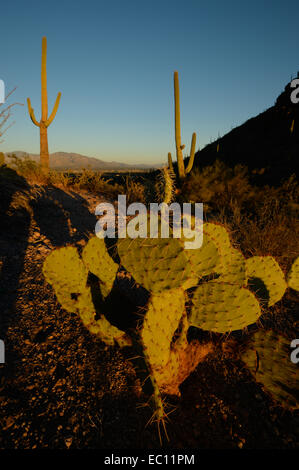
pixel 141 342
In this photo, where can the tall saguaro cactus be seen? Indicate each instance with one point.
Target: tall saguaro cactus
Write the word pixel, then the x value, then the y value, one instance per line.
pixel 45 120
pixel 179 147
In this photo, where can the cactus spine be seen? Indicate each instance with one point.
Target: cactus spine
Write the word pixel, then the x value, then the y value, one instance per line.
pixel 179 147
pixel 45 120
pixel 292 126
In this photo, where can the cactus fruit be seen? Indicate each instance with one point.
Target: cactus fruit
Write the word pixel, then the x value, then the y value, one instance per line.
pixel 45 120
pixel 293 275
pixel 179 147
pixel 268 358
pixel 222 307
pixel 99 263
pixel 267 270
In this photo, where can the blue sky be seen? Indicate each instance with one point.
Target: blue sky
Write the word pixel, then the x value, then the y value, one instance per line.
pixel 113 62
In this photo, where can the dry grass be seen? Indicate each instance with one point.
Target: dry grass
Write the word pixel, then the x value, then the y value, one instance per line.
pixel 262 220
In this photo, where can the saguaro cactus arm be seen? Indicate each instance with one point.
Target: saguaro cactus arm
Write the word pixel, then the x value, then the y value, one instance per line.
pixel 53 114
pixel 31 113
pixel 179 147
pixel 178 143
pixel 170 164
pixel 192 153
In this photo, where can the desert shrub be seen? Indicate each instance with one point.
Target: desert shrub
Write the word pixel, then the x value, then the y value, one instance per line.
pixel 94 182
pixel 262 219
pixel 134 190
pixel 59 178
pixel 217 186
pixel 27 168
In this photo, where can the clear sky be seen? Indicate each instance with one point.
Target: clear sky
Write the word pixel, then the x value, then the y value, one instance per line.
pixel 113 62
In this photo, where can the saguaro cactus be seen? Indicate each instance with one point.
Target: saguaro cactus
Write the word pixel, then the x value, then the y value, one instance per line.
pixel 179 147
pixel 45 120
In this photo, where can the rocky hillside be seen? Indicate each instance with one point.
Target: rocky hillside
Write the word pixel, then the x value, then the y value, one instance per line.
pixel 264 142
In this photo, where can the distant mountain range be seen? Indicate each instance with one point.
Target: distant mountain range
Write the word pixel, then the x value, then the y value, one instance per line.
pixel 76 161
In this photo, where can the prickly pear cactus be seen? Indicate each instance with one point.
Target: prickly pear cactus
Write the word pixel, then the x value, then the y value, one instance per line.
pixel 268 358
pixel 204 260
pixel 268 271
pixel 155 263
pixel 99 263
pixel 217 280
pixel 293 275
pixel 223 307
pixel 67 273
pixel 160 323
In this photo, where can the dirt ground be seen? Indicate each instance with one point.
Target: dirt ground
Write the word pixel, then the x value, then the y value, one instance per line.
pixel 61 387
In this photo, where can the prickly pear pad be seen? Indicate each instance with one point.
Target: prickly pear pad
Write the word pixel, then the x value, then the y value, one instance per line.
pixel 203 260
pixel 231 262
pixel 223 307
pixel 293 275
pixel 97 260
pixel 268 358
pixel 269 272
pixel 161 321
pixel 65 271
pixel 233 268
pixel 156 263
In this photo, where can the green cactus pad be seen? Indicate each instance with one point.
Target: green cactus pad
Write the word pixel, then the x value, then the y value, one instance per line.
pixel 218 234
pixel 65 271
pixel 97 260
pixel 231 262
pixel 293 275
pixel 233 268
pixel 267 270
pixel 222 307
pixel 268 358
pixel 156 263
pixel 203 260
pixel 161 321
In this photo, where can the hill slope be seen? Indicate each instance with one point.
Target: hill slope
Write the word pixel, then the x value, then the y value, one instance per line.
pixel 264 141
